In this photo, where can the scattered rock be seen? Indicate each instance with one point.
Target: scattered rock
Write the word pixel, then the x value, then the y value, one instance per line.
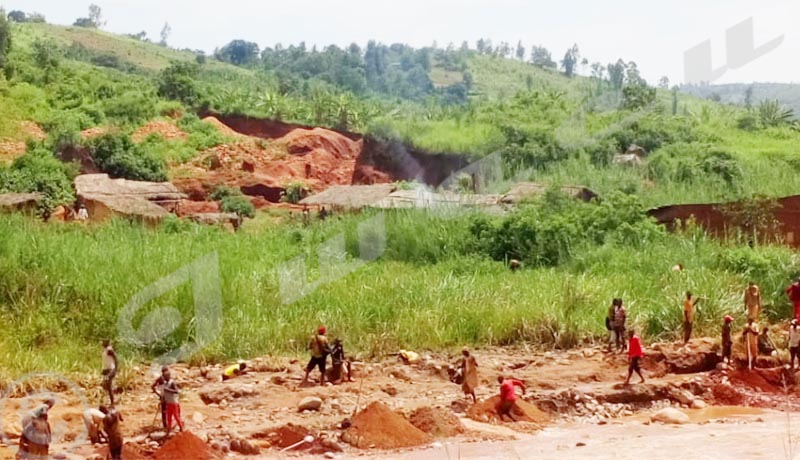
pixel 222 393
pixel 389 390
pixel 670 415
pixel 682 396
pixel 198 418
pixel 400 374
pixel 698 404
pixel 277 380
pixel 309 403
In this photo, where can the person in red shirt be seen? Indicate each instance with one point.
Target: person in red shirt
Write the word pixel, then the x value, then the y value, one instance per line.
pixel 508 396
pixel 635 354
pixel 793 291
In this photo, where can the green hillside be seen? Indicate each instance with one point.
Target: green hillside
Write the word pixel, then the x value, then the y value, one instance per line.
pixel 441 279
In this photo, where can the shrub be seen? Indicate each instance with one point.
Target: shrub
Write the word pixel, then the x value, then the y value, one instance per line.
pixel 239 205
pixel 295 192
pixel 222 192
pixel 178 82
pixel 40 171
pixel 118 156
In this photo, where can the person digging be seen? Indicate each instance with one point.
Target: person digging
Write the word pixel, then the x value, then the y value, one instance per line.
pixel 93 420
pixel 112 431
pixel 750 337
pixel 339 363
pixel 508 397
pixel 34 442
pixel 319 355
pixel 234 370
pixel 635 355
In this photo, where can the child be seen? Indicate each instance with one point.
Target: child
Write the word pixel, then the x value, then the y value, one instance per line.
pixel 171 397
pixel 727 339
pixel 635 354
pixel 234 371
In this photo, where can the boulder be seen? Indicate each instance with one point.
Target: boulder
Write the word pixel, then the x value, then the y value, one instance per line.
pixel 669 415
pixel 681 396
pixel 309 403
pixel 634 149
pixel 216 394
pixel 698 404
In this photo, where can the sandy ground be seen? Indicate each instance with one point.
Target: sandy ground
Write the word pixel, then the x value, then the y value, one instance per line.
pixel 252 406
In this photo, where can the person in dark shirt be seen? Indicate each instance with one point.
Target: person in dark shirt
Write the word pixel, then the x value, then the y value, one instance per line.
pixel 340 363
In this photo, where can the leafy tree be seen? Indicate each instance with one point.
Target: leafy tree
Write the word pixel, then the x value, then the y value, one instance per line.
pixel 119 156
pixel 638 96
pixel 571 58
pixel 663 82
pixel 165 32
pixel 238 52
pixel 748 97
pixel 616 74
pixel 520 51
pixel 541 57
pixel 96 15
pixel 36 18
pixel 238 204
pixel 17 16
pixel 178 82
pixel 5 38
pixel 93 21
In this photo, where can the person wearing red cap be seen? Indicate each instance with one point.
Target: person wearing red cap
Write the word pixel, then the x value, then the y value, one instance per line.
pixel 635 355
pixel 727 339
pixel 320 349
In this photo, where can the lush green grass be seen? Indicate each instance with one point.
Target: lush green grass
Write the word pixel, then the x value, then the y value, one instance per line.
pixel 63 287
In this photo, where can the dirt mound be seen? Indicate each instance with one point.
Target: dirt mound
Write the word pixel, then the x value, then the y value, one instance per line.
pixel 305 141
pixel 222 127
pixel 284 436
pixel 440 423
pixel 13 148
pixel 188 207
pixel 184 446
pixel 727 395
pixel 167 130
pixel 765 380
pixel 316 158
pixel 524 411
pixel 377 426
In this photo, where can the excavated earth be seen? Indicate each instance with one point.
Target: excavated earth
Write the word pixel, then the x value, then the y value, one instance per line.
pixel 394 406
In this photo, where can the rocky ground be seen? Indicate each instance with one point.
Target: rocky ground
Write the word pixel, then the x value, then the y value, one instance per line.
pixel 393 405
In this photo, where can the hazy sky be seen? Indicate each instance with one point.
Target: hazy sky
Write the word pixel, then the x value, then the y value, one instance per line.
pixel 655 34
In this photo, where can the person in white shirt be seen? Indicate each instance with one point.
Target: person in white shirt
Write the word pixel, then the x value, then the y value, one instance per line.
pixel 109 369
pixel 794 342
pixel 83 213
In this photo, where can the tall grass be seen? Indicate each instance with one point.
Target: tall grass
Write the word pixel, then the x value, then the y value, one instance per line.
pixel 63 287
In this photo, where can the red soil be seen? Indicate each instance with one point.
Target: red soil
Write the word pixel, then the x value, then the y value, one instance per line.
pixel 317 158
pixel 222 127
pixel 166 129
pixel 440 423
pixel 726 395
pixel 185 446
pixel 31 130
pixel 189 207
pixel 377 426
pixel 523 412
pixel 91 133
